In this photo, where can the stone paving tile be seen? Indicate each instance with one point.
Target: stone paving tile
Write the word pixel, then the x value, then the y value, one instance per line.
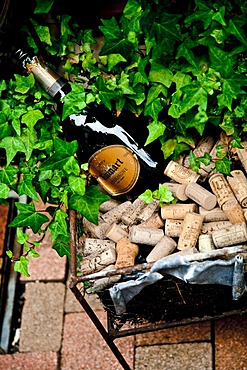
pixel 186 333
pixel 231 343
pixel 49 266
pixel 29 361
pixel 84 348
pixel 42 317
pixel 72 305
pixel 186 356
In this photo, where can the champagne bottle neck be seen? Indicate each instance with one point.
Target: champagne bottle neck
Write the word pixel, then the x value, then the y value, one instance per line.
pixel 47 78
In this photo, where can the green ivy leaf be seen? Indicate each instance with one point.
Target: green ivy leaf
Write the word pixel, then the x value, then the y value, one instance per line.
pixel 26 187
pixel 163 194
pixel 155 129
pixel 32 117
pixel 24 84
pixel 28 217
pixel 88 204
pixel 78 184
pixel 104 93
pixel 168 147
pixel 4 191
pixel 22 266
pixel 61 246
pixel 147 196
pixel 223 166
pixel 161 74
pixel 74 101
pixel 12 146
pixel 59 225
pixel 8 175
pixel 43 6
pixel 63 152
pixel 21 236
pixel 32 253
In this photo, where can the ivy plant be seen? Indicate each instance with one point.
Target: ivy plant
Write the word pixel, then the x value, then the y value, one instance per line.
pixel 182 65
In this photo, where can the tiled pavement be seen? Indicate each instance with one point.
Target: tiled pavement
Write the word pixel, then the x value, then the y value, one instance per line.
pixel 56 334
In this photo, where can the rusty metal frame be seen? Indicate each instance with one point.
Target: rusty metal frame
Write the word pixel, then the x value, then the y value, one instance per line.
pixel 112 333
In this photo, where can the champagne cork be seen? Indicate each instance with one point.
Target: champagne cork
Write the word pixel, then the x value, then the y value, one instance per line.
pixel 215 214
pixel 97 262
pixel 209 227
pixel 238 184
pixel 233 211
pixel 96 246
pixel 115 214
pixel 103 283
pixel 177 211
pixel 163 248
pixel 205 243
pixel 191 228
pixel 242 154
pixel 153 221
pixel 115 232
pixel 201 196
pixel 148 211
pixel 129 217
pixel 145 235
pixel 96 231
pixel 180 174
pixel 221 188
pixel 231 235
pixel 126 253
pixel 173 228
pixel 108 205
pixel 177 190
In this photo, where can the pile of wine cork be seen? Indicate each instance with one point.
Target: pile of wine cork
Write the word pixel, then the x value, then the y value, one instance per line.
pixel 208 215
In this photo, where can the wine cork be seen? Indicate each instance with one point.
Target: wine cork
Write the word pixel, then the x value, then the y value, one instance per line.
pixel 115 232
pixel 204 145
pixel 96 246
pixel 209 227
pixel 201 196
pixel 242 154
pixel 145 235
pixel 126 253
pixel 129 217
pixel 173 228
pixel 221 188
pixel 213 152
pixel 115 214
pixel 153 221
pixel 163 248
pixel 191 228
pixel 177 211
pixel 205 243
pixel 180 174
pixel 215 214
pixel 108 205
pixel 96 231
pixel 231 235
pixel 233 211
pixel 148 211
pixel 177 190
pixel 97 262
pixel 238 184
pixel 103 283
